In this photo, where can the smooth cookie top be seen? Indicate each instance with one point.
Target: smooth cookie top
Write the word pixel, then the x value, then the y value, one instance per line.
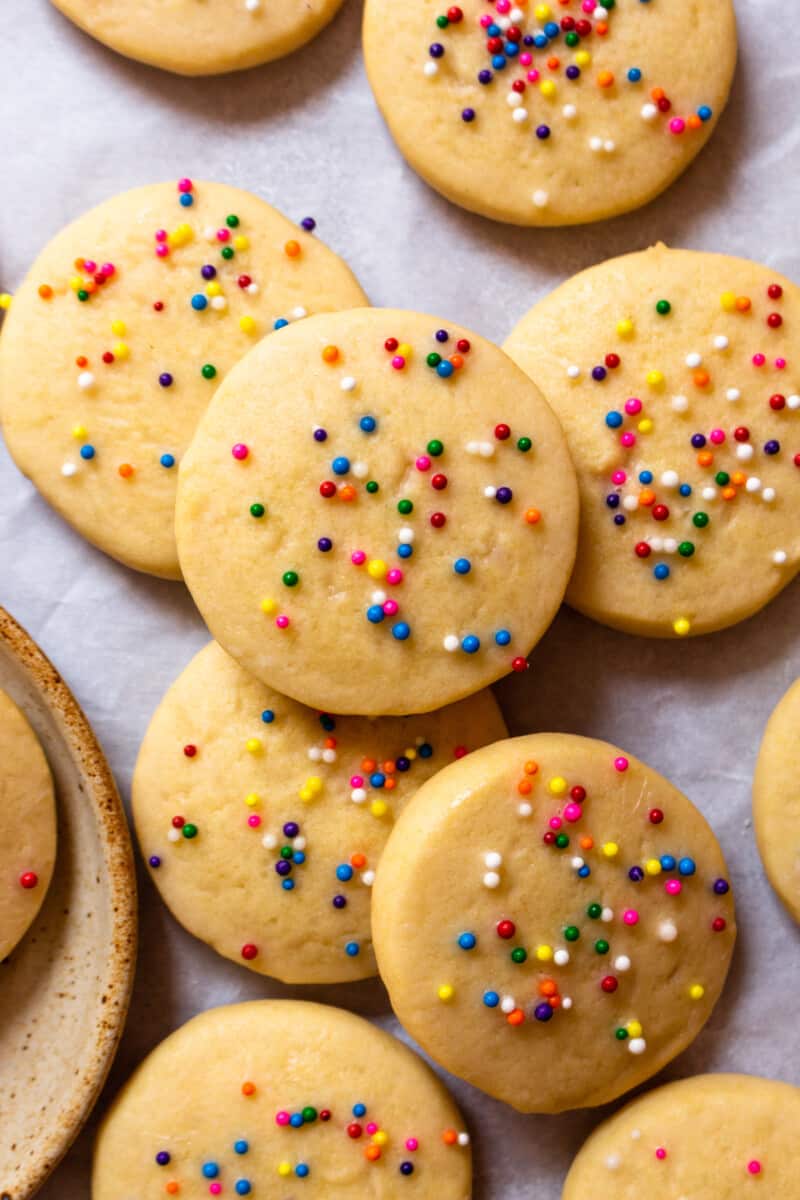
pixel 124 326
pixel 676 377
pixel 27 825
pixel 713 1137
pixel 263 821
pixel 550 114
pixel 378 514
pixel 201 37
pixel 553 921
pixel 282 1099
pixel 776 800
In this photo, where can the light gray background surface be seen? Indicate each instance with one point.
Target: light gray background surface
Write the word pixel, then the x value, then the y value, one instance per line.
pixel 78 124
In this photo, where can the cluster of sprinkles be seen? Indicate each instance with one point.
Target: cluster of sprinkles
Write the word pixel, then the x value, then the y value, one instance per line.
pixel 347 480
pixel 613 1161
pixel 593 929
pixel 225 1173
pixel 224 272
pixel 693 496
pixel 370 788
pixel 544 61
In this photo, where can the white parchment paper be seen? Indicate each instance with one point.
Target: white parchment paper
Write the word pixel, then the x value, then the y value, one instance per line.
pixel 78 124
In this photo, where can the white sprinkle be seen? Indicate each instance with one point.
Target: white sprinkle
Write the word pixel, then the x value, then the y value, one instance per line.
pixel 613 1161
pixel 733 394
pixel 667 931
pixel 609 146
pixel 569 112
pixel 379 597
pixel 329 756
pixel 348 383
pixel 451 642
pixel 516 15
pixel 793 402
pixel 600 13
pixel 358 795
pixel 463 1139
pixel 540 198
pixel 709 493
pixel 174 835
pixel 299 843
pixel 490 492
pixel 504 23
pixel 298 313
pixel 622 963
pixel 219 303
pixel 744 452
pixel 508 1004
pixel 519 115
pixel 430 69
pixel 670 479
pixel 524 809
pixel 406 536
pixel 566 1003
pixel 360 469
pixel 595 144
pixel 679 404
pixel 768 494
pixel 252 289
pixel 473 447
pixel 493 860
pixel 649 112
pixel 68 470
pixel 314 753
pixel 630 503
pixel 577 863
pixel 607 915
pixel 368 878
pixel 670 545
pixel 491 879
pixel 656 543
pixel 779 557
pixel 269 841
pixel 210 233
pixel 753 484
pixel 252 6
pixel 635 1135
pixel 637 1045
pixel 574 372
pixel 721 342
pixel 514 100
pixel 85 380
pixel 486 449
pixel 561 958
pixel 694 359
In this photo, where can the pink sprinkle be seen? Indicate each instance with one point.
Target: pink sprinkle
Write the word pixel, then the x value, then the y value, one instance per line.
pixel 630 916
pixel 621 763
pixel 754 1167
pixel 423 463
pixel 634 405
pixel 223 235
pixel 717 436
pixel 780 363
pixel 108 269
pixel 503 6
pixel 394 576
pixel 533 76
pixel 526 59
pixel 619 477
pixel 254 821
pixel 184 185
pixel 89 266
pixel 555 822
pixel 282 621
pixel 661 1153
pixel 485 21
pixel 372 1128
pixel 398 362
pixel 677 125
pixel 412 1144
pixel 627 440
pixel 240 451
pixel 215 1188
pixel 589 6
pixel 282 1117
pixel 758 360
pixel 673 887
pixel 162 249
pixel 358 558
pixel 390 607
pixel 161 235
pixel 573 812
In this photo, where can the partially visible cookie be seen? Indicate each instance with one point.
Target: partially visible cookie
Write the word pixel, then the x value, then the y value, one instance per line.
pixel 378 513
pixel 27 825
pixel 713 1137
pixel 123 328
pixel 550 114
pixel 676 376
pixel 201 37
pixel 263 821
pixel 283 1099
pixel 776 800
pixel 553 921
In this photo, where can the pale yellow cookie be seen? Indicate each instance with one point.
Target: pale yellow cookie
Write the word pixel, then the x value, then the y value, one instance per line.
pixel 776 800
pixel 201 37
pixel 676 375
pixel 377 515
pixel 550 114
pixel 287 1100
pixel 263 821
pixel 115 342
pixel 552 921
pixel 713 1137
pixel 27 825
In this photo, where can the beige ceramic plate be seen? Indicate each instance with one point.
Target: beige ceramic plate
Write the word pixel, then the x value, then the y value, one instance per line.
pixel 64 990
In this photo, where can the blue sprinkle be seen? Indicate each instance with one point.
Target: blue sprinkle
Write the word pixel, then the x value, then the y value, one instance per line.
pixel 241 1147
pixel 243 1187
pixel 551 29
pixel 685 489
pixel 210 1170
pixel 299 857
pixel 425 750
pixel 344 872
pixel 352 949
pixel 613 420
pixel 340 465
pixel 87 451
pixel 401 631
pixel 687 866
pixel 268 716
pixel 584 872
pixel 467 941
pixel 405 550
pixel 705 113
pixel 377 780
pixel 302 1169
pixel 359 1110
pixel 445 369
pixel 167 460
pixel 462 566
pixel 498 62
pixel 540 41
pixel 470 644
pixel 667 862
pixel 493 31
pixel 287 885
pixel 491 999
pixel 368 424
pixel 375 614
pixel 186 200
pixel 296 1120
pixel 634 75
pixel 661 571
pixel 281 323
pixel 199 302
pixel 511 49
pixel 502 637
pixel 645 477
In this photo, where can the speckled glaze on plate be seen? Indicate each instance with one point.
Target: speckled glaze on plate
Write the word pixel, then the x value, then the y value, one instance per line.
pixel 64 990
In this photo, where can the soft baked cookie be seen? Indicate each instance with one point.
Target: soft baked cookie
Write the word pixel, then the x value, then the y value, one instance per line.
pixel 676 377
pixel 27 825
pixel 119 335
pixel 776 800
pixel 713 1137
pixel 201 37
pixel 282 1099
pixel 377 515
pixel 263 821
pixel 552 920
pixel 550 114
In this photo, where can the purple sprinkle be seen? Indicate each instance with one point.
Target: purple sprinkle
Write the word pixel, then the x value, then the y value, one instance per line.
pixel 320 435
pixel 165 379
pixel 208 272
pixel 442 335
pixel 503 495
pixel 339 901
pixel 324 544
pixel 154 860
pixel 599 374
pixel 543 132
pixel 283 866
pixel 309 224
pixel 291 829
pixel 468 114
pixel 721 887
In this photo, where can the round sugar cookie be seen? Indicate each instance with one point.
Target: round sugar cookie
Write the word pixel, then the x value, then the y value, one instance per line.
pixel 285 1099
pixel 776 800
pixel 553 921
pixel 27 825
pixel 676 377
pixel 263 821
pixel 550 114
pixel 201 37
pixel 124 326
pixel 377 515
pixel 712 1137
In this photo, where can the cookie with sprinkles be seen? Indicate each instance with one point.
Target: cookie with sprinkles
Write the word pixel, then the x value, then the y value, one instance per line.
pixel 676 375
pixel 123 328
pixel 550 114
pixel 378 513
pixel 776 800
pixel 263 821
pixel 572 921
pixel 201 37
pixel 287 1100
pixel 712 1136
pixel 27 825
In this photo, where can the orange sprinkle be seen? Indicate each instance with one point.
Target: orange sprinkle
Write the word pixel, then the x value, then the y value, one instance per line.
pixel 524 787
pixel 390 784
pixel 516 1017
pixel 330 354
pixel 89 286
pixel 449 1137
pixel 125 470
pixel 647 498
pixel 553 63
pixel 555 1001
pixel 45 291
pixel 739 478
pixel 532 516
pixel 601 28
pixel 292 248
pixel 81 361
pixel 729 493
pixel 657 94
pixel 172 1188
pixel 368 764
pixel 705 458
pixel 605 79
pixel 372 1153
pixel 388 767
pixel 587 843
pixel 743 304
pixel 248 1089
pixel 358 860
pixel 701 378
pixel 531 767
pixel 693 122
pixel 456 362
pixel 348 492
pixel 78 264
pixel 548 987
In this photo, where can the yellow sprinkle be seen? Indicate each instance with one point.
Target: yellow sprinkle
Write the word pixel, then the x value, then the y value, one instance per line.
pixel 446 992
pixel 379 808
pixel 252 800
pixel 681 626
pixel 610 849
pixel 547 88
pixel 377 568
pixel 268 605
pixel 253 745
pixel 5 300
pixel 410 753
pixel 582 58
pixel 542 12
pixel 557 785
pixel 214 288
pixel 306 795
pixel 544 953
pixel 405 351
pixel 728 301
pixel 655 378
pixel 247 324
pixel 284 1168
pixel 645 425
pixel 241 241
pixel 697 991
pixel 381 1137
pixel 634 1029
pixel 118 327
pixel 79 431
pixel 76 283
pixel 652 866
pixel 625 327
pixel 121 350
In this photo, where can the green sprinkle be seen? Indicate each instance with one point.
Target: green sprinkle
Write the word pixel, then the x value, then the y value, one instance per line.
pixel 286 851
pixel 227 252
pixel 594 911
pixel 562 841
pixel 601 946
pixel 700 520
pixel 722 478
pixel 620 1034
pixel 442 22
pixel 189 831
pixel 232 221
pixel 257 510
pixel 435 448
pixel 405 507
pixel 82 294
pixel 572 933
pixel 686 549
pixel 663 308
pixel 290 578
pixel 372 487
pixel 572 39
pixel 524 444
pixel 310 1113
pixel 518 954
pixel 208 371
pixel 433 359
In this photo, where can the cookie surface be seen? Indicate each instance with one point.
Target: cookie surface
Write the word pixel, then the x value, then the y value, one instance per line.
pixel 572 923
pixel 102 383
pixel 776 800
pixel 377 515
pixel 550 114
pixel 282 1098
pixel 676 377
pixel 201 37
pixel 287 810
pixel 713 1137
pixel 27 825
